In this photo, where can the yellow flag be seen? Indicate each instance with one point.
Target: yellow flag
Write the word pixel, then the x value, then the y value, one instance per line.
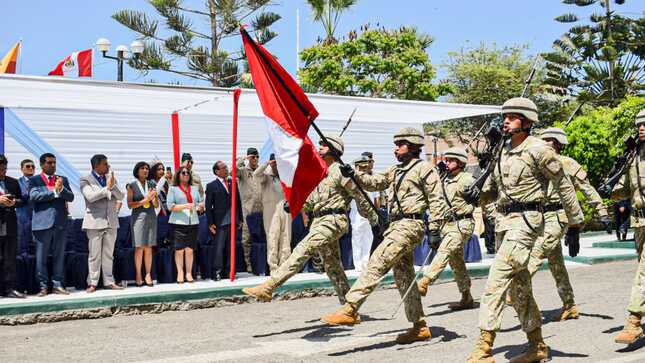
pixel 8 63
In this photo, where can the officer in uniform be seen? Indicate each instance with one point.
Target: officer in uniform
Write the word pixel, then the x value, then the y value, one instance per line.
pixel 329 204
pixel 451 227
pixel 630 186
pixel 251 204
pixel 412 182
pixel 519 183
pixel 555 219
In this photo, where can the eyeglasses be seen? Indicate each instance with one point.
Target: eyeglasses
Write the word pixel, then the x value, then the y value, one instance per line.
pixel 29 166
pixel 184 173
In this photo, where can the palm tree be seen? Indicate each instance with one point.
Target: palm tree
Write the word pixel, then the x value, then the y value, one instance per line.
pixel 328 13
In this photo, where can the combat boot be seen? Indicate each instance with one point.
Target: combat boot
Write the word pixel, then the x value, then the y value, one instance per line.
pixel 417 333
pixel 538 351
pixel 347 315
pixel 466 302
pixel 483 352
pixel 423 285
pixel 262 292
pixel 631 331
pixel 567 313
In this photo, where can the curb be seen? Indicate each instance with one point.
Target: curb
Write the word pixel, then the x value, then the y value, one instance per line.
pixel 615 244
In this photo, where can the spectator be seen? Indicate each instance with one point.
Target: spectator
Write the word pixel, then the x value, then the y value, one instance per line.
pixel 101 191
pixel 251 204
pixel 362 236
pixel 28 168
pixel 279 238
pixel 218 215
pixel 162 179
pixel 622 214
pixel 184 201
pixel 187 162
pixel 142 199
pixel 268 182
pixel 10 198
pixel 49 194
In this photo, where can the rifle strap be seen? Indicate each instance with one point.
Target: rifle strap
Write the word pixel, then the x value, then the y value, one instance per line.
pixel 398 184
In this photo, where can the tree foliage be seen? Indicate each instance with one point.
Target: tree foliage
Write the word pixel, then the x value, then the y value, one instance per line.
pixel 375 63
pixel 327 12
pixel 191 46
pixel 600 62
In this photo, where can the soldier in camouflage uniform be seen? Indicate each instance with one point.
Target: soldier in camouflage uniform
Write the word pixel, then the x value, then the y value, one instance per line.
pixel 251 204
pixel 519 183
pixel 412 182
pixel 452 226
pixel 630 186
pixel 555 220
pixel 329 204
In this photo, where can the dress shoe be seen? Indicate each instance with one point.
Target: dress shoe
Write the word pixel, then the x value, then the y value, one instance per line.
pixel 114 286
pixel 42 292
pixel 90 289
pixel 15 294
pixel 60 291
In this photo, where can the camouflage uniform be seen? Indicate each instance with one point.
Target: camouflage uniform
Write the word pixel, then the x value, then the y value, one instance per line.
pixel 251 204
pixel 333 194
pixel 522 176
pixel 279 238
pixel 456 225
pixel 402 235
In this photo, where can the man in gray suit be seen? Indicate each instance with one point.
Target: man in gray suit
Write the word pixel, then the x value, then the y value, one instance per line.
pixel 102 195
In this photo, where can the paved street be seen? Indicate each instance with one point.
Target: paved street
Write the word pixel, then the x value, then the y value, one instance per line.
pixel 289 331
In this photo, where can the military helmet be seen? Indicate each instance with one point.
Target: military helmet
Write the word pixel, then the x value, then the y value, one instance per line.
pixel 522 106
pixel 456 153
pixel 411 135
pixel 555 133
pixel 336 142
pixel 640 118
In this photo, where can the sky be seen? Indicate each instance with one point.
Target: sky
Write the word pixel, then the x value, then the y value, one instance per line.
pixel 50 30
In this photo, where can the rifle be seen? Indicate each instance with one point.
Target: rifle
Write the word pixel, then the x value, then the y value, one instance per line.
pixel 620 166
pixel 495 140
pixel 349 121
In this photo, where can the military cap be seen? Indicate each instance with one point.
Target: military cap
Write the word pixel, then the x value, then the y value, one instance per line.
pixel 252 151
pixel 456 153
pixel 362 160
pixel 555 133
pixel 522 106
pixel 411 135
pixel 336 142
pixel 368 154
pixel 186 156
pixel 640 118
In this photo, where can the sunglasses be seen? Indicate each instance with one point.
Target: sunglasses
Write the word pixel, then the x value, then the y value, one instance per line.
pixel 29 166
pixel 184 173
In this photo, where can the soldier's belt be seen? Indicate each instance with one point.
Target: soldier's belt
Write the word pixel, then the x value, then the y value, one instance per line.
pixel 327 212
pixel 520 207
pixel 639 213
pixel 398 217
pixel 459 217
pixel 554 207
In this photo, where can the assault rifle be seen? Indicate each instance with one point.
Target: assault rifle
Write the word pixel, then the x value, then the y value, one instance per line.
pixel 620 166
pixel 495 141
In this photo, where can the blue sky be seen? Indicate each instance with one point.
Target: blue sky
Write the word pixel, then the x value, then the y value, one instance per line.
pixel 52 29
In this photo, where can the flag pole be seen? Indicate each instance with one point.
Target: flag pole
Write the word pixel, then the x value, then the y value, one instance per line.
pixel 175 139
pixel 236 97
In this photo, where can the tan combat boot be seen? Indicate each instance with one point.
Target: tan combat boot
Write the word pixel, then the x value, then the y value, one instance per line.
pixel 570 312
pixel 483 352
pixel 347 315
pixel 631 331
pixel 466 302
pixel 417 333
pixel 423 285
pixel 538 351
pixel 262 292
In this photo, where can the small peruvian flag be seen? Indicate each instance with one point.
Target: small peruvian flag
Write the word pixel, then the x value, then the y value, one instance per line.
pixel 77 64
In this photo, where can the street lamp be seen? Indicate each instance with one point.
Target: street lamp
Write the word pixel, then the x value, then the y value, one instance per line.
pixel 136 47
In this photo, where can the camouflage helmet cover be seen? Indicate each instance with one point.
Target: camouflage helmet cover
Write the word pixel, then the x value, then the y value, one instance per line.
pixel 640 118
pixel 522 106
pixel 411 135
pixel 336 142
pixel 555 133
pixel 456 153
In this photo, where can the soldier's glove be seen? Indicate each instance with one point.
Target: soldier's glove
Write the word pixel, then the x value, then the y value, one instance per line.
pixel 471 195
pixel 484 158
pixel 434 239
pixel 285 206
pixel 347 171
pixel 606 223
pixel 605 191
pixel 572 239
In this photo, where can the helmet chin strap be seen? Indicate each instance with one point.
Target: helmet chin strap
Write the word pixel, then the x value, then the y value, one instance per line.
pixel 404 158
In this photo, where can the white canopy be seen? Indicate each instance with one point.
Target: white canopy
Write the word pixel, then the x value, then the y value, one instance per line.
pixel 131 122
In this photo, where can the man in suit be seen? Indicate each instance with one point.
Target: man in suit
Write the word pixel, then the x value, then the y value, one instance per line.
pixel 10 198
pixel 218 215
pixel 28 168
pixel 49 195
pixel 102 192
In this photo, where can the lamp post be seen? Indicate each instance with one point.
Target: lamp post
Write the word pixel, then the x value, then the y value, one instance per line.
pixel 137 47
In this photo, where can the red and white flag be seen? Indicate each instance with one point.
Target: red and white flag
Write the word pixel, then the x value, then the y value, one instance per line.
pixel 77 64
pixel 289 114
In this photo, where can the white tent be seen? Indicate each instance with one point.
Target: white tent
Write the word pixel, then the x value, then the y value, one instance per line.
pixel 131 122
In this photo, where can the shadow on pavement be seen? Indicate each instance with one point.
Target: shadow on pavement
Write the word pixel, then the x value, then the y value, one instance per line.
pixel 366 348
pixel 448 311
pixel 615 329
pixel 445 334
pixel 294 330
pixel 514 350
pixel 633 347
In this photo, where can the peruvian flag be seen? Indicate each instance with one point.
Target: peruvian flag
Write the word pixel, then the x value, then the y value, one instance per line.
pixel 77 64
pixel 289 114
